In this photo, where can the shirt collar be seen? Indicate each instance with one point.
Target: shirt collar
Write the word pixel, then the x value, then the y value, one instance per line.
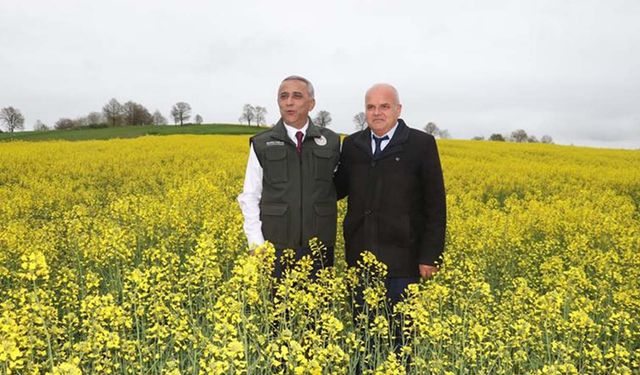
pixel 292 130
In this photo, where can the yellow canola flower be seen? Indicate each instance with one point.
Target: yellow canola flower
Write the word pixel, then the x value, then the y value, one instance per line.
pixel 128 256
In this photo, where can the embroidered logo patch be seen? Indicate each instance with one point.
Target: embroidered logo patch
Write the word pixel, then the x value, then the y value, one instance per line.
pixel 321 140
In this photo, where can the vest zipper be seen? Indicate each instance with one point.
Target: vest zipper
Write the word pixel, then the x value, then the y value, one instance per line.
pixel 301 195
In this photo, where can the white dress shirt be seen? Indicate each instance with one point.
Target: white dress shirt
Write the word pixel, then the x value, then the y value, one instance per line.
pixel 385 142
pixel 249 199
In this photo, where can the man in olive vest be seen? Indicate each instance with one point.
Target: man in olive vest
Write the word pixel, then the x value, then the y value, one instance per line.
pixel 289 196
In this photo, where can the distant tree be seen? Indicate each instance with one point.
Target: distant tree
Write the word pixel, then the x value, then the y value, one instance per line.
pixel 496 137
pixel 360 120
pixel 181 112
pixel 519 136
pixel 95 118
pixel 443 134
pixel 158 118
pixel 12 119
pixel 431 128
pixel 198 119
pixel 260 113
pixel 532 139
pixel 136 114
pixel 478 138
pixel 39 126
pixel 80 122
pixel 248 114
pixel 64 124
pixel 113 112
pixel 323 119
pixel 546 139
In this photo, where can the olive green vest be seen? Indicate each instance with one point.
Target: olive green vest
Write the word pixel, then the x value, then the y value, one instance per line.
pixel 298 196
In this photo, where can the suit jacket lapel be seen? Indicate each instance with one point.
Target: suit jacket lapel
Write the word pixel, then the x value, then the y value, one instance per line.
pixel 396 143
pixel 362 140
pixel 401 135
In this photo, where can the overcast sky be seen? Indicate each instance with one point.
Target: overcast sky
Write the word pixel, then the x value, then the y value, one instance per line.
pixel 569 69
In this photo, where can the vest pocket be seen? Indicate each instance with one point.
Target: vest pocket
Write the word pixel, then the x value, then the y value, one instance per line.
pixel 275 222
pixel 322 160
pixel 325 222
pixel 276 164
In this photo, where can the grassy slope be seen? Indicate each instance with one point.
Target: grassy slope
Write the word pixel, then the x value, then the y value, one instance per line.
pixel 129 132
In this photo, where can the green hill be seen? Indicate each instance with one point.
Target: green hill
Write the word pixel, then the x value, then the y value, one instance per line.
pixel 128 132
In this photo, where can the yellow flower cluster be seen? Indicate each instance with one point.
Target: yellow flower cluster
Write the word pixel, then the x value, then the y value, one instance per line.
pixel 128 256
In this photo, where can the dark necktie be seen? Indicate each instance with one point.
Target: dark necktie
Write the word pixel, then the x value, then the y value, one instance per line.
pixel 378 143
pixel 299 136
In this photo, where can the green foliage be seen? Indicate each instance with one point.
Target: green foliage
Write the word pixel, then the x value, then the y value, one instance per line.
pixel 129 132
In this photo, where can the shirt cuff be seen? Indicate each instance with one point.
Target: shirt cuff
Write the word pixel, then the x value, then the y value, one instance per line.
pixel 255 240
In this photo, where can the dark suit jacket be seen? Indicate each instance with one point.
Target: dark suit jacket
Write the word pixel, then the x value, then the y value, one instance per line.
pixel 396 206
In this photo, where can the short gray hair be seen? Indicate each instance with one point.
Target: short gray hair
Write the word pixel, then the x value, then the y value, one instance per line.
pixel 302 79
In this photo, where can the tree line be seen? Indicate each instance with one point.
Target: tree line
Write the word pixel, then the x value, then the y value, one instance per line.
pixel 113 114
pixel 132 114
pixel 257 115
pixel 519 136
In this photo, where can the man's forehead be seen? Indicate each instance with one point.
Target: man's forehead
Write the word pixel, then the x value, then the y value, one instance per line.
pixel 292 85
pixel 380 99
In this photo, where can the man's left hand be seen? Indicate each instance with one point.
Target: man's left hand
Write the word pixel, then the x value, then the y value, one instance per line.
pixel 427 271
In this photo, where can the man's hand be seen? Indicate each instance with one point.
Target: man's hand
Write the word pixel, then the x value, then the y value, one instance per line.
pixel 427 271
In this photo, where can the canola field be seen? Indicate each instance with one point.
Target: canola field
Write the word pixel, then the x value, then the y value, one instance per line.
pixel 128 257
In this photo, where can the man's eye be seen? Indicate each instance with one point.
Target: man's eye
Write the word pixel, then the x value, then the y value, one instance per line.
pixel 297 95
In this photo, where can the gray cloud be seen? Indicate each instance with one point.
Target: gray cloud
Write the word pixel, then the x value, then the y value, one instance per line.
pixel 568 69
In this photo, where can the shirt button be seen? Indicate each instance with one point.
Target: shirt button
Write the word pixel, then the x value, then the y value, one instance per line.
pixel 367 212
pixel 373 163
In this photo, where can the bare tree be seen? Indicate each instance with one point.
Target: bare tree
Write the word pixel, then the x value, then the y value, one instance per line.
pixel 519 136
pixel 443 134
pixel 260 113
pixel 64 123
pixel 113 112
pixel 80 122
pixel 12 119
pixel 360 120
pixel 198 119
pixel 532 139
pixel 181 112
pixel 95 118
pixel 136 114
pixel 158 118
pixel 432 128
pixel 39 126
pixel 546 139
pixel 248 114
pixel 323 119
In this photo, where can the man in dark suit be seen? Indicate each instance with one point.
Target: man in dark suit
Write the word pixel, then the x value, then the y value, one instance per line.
pixel 396 205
